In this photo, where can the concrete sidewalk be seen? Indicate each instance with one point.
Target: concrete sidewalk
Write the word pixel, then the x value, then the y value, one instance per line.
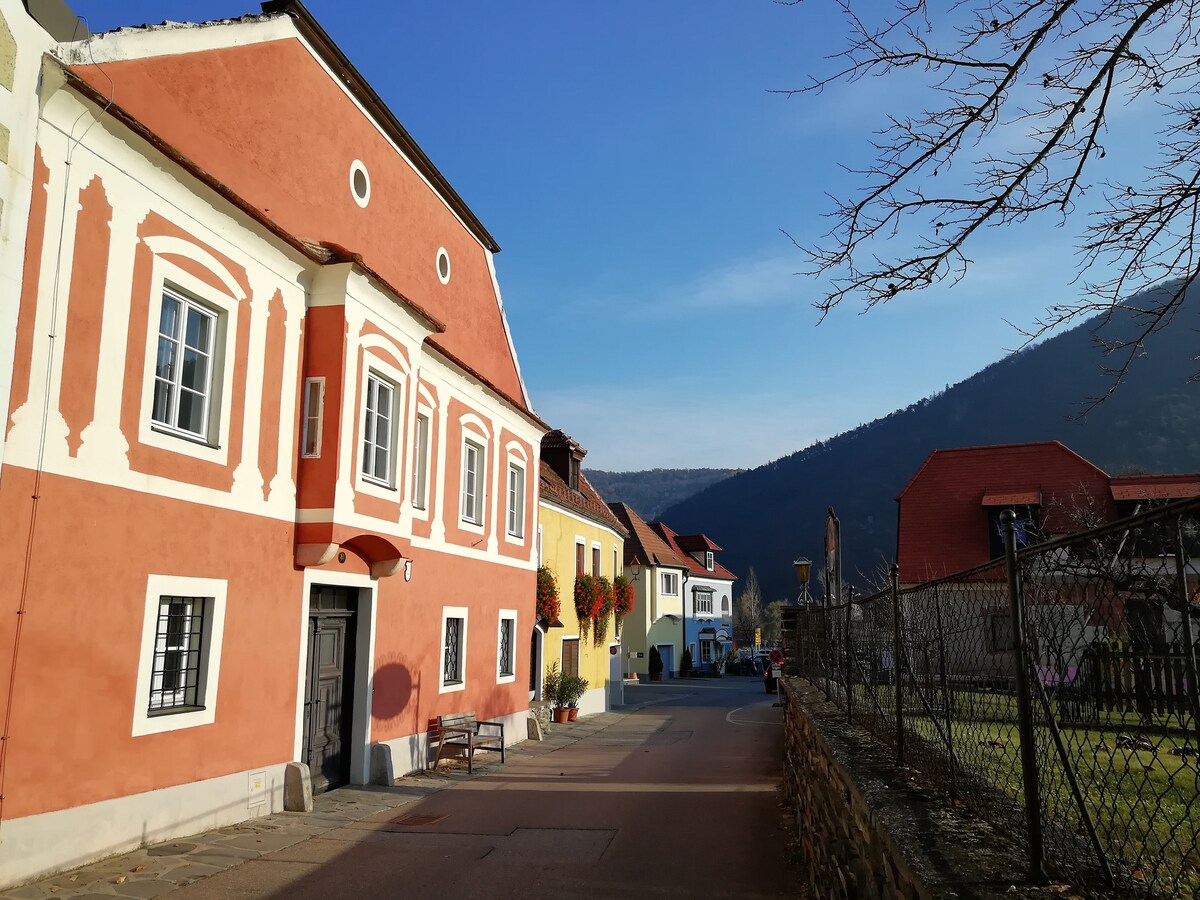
pixel 159 869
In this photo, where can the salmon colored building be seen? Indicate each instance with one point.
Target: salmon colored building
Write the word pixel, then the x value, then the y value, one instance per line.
pixel 269 470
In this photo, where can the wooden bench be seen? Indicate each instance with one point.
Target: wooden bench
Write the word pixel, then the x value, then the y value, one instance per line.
pixel 461 730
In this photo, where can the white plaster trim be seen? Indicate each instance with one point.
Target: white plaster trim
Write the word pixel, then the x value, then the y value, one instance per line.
pixel 210 656
pixel 453 612
pixel 175 38
pixel 40 845
pixel 512 348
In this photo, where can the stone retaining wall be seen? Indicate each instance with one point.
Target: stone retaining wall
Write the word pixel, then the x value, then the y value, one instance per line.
pixel 865 833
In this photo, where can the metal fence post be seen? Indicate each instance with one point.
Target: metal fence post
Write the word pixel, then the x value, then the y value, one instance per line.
pixel 897 648
pixel 849 664
pixel 1029 770
pixel 1189 650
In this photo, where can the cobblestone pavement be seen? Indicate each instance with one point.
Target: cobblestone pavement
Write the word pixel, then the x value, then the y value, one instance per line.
pixel 159 869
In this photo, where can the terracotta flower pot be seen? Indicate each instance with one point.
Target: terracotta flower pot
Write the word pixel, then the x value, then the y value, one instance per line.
pixel 561 715
pixel 573 712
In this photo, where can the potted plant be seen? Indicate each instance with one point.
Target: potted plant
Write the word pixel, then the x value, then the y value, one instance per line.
pixel 656 664
pixel 571 692
pixel 552 692
pixel 685 663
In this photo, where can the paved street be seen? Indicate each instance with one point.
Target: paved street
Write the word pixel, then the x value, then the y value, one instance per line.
pixel 674 795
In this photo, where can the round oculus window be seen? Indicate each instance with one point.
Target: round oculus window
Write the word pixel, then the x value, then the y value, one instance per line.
pixel 360 183
pixel 443 265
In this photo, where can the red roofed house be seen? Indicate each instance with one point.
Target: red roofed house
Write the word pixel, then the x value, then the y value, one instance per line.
pixel 708 596
pixel 269 470
pixel 948 522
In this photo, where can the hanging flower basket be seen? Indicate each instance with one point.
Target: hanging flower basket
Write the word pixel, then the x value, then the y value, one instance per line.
pixel 547 595
pixel 589 599
pixel 600 620
pixel 622 596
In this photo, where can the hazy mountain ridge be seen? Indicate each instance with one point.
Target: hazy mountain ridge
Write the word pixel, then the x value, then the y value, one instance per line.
pixel 651 491
pixel 767 516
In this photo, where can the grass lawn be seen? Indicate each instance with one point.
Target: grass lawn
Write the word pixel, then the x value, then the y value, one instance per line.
pixel 1142 798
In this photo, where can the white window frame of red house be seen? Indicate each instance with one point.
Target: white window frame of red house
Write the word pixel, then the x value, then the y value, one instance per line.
pixel 445 687
pixel 214 591
pixel 474 474
pixel 167 278
pixel 671 579
pixel 473 505
pixel 506 617
pixel 379 429
pixel 314 417
pixel 514 493
pixel 188 309
pixel 420 473
pixel 708 560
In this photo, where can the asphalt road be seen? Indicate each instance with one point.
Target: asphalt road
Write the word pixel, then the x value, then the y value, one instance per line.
pixel 678 798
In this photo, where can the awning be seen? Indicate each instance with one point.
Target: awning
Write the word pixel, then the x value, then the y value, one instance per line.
pixel 705 631
pixel 1172 490
pixel 1013 498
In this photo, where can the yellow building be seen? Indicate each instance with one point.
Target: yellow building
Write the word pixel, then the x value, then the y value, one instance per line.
pixel 659 576
pixel 577 534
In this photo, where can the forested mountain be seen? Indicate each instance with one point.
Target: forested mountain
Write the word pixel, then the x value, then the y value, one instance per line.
pixel 766 516
pixel 651 491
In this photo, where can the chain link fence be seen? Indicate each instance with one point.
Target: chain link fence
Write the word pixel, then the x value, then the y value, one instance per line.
pixel 1053 692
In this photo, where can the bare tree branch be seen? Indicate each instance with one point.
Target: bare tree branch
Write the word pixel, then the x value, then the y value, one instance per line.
pixel 1038 78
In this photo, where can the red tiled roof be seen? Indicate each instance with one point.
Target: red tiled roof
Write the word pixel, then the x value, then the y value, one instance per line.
pixel 943 522
pixel 643 547
pixel 682 544
pixel 586 501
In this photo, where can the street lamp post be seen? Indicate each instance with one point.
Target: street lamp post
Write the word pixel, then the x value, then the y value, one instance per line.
pixel 803 567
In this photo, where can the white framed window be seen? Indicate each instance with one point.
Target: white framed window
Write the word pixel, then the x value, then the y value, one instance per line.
pixel 472 482
pixel 708 560
pixel 506 647
pixel 596 559
pixel 314 415
pixel 420 497
pixel 516 501
pixel 184 399
pixel 704 602
pixel 453 658
pixel 706 651
pixel 539 545
pixel 379 423
pixel 580 556
pixel 670 583
pixel 183 628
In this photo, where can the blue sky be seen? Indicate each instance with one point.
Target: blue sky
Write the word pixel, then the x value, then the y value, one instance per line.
pixel 630 160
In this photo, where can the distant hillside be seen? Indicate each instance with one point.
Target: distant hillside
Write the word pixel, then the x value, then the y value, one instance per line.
pixel 650 492
pixel 767 516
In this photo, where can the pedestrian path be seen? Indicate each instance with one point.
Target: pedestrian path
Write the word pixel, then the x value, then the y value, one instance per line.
pixel 159 869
